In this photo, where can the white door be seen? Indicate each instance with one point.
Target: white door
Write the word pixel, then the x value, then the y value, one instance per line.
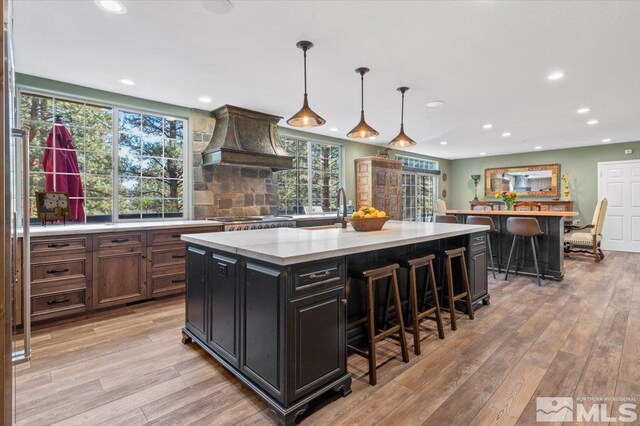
pixel 619 182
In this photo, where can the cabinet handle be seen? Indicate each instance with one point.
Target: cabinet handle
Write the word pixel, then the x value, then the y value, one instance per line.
pixel 119 240
pixel 178 256
pixel 57 245
pixel 320 275
pixel 344 301
pixel 178 281
pixel 53 302
pixel 57 271
pixel 175 236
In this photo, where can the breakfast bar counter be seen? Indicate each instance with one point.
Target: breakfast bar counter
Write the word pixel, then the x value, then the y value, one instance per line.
pixel 271 305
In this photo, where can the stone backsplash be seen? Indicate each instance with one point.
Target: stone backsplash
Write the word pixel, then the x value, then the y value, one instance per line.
pixel 221 190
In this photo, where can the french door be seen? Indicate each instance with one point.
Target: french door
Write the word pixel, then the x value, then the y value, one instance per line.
pixel 619 182
pixel 418 198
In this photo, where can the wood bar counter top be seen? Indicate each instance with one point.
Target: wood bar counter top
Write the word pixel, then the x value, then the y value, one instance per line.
pixel 525 213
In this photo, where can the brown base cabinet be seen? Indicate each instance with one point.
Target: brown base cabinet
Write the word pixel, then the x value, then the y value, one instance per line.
pixel 73 275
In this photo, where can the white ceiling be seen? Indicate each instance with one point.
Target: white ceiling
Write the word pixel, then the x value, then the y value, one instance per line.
pixel 487 60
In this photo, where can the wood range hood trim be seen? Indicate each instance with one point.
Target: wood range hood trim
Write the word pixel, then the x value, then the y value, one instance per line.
pixel 243 137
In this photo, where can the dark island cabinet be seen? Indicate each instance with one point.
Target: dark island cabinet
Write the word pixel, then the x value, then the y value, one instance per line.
pixel 279 329
pixel 477 258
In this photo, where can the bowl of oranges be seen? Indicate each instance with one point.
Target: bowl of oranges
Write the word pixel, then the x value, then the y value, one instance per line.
pixel 368 219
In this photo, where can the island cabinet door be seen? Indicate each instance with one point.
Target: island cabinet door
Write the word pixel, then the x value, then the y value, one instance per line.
pixel 477 267
pixel 317 341
pixel 224 302
pixel 196 291
pixel 262 336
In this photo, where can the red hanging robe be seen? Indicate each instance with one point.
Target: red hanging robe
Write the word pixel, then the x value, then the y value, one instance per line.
pixel 62 172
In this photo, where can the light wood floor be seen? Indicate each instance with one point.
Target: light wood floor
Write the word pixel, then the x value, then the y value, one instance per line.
pixel 577 337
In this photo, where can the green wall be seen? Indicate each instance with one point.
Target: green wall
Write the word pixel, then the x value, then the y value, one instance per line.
pixel 26 82
pixel 353 150
pixel 581 162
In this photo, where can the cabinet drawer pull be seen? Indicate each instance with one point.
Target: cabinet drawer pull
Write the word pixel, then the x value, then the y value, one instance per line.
pixel 178 281
pixel 344 301
pixel 57 271
pixel 119 240
pixel 175 236
pixel 57 245
pixel 178 256
pixel 53 301
pixel 320 275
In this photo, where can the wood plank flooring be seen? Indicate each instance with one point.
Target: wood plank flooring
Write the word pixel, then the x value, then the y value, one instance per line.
pixel 577 337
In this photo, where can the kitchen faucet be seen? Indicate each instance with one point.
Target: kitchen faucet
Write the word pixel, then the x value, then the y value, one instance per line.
pixel 342 203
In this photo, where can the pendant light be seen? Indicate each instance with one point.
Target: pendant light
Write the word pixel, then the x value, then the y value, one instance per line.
pixel 362 130
pixel 305 117
pixel 402 140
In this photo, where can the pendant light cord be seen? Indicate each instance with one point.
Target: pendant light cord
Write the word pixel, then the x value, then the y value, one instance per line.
pixel 402 112
pixel 305 71
pixel 362 92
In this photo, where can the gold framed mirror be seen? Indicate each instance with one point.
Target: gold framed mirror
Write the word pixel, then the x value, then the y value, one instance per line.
pixel 527 181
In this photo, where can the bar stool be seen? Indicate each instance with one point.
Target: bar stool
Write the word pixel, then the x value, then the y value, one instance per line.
pixel 450 254
pixel 411 263
pixel 446 219
pixel 369 275
pixel 523 227
pixel 486 220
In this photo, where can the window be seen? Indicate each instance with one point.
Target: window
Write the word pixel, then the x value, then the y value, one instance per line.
pixel 138 174
pixel 314 179
pixel 417 163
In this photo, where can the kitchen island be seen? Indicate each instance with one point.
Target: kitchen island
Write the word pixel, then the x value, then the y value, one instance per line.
pixel 551 242
pixel 270 305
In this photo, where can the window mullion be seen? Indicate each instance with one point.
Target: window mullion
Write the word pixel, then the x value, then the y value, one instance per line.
pixel 115 162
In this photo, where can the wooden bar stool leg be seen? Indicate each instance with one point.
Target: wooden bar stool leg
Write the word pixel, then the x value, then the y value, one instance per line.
pixel 493 268
pixel 465 282
pixel 415 314
pixel 431 277
pixel 398 304
pixel 513 246
pixel 452 305
pixel 371 322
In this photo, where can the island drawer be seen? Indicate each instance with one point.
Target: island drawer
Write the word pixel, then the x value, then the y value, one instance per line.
pixel 478 241
pixel 58 304
pixel 111 241
pixel 48 246
pixel 314 276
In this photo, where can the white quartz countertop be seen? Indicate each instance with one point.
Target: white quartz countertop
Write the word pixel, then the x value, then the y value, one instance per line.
pixel 93 228
pixel 287 246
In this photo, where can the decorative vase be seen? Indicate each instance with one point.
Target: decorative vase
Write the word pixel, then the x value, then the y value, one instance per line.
pixel 509 205
pixel 567 194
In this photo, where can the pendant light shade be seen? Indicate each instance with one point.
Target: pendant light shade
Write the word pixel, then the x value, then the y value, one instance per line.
pixel 362 130
pixel 402 140
pixel 305 117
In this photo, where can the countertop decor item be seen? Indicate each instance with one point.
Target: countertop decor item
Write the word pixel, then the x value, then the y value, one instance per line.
pixel 402 140
pixel 362 129
pixel 52 206
pixel 368 224
pixel 509 197
pixel 305 117
pixel 565 179
pixel 476 179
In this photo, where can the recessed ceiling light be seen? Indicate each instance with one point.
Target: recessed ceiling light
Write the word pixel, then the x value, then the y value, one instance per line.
pixel 506 134
pixel 435 104
pixel 334 129
pixel 218 7
pixel 556 75
pixel 583 110
pixel 372 137
pixel 204 99
pixel 537 148
pixel 443 143
pixel 606 140
pixel 487 126
pixel 592 122
pixel 483 153
pixel 127 82
pixel 112 6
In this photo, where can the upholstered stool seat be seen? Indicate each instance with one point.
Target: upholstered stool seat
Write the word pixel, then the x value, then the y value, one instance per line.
pixel 369 275
pixel 522 228
pixel 446 219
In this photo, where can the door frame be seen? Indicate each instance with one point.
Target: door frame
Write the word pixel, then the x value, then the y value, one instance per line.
pixel 605 163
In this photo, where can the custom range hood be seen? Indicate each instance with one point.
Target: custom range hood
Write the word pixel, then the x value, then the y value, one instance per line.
pixel 246 138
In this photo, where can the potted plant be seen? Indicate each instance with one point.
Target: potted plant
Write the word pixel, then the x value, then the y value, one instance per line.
pixel 509 197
